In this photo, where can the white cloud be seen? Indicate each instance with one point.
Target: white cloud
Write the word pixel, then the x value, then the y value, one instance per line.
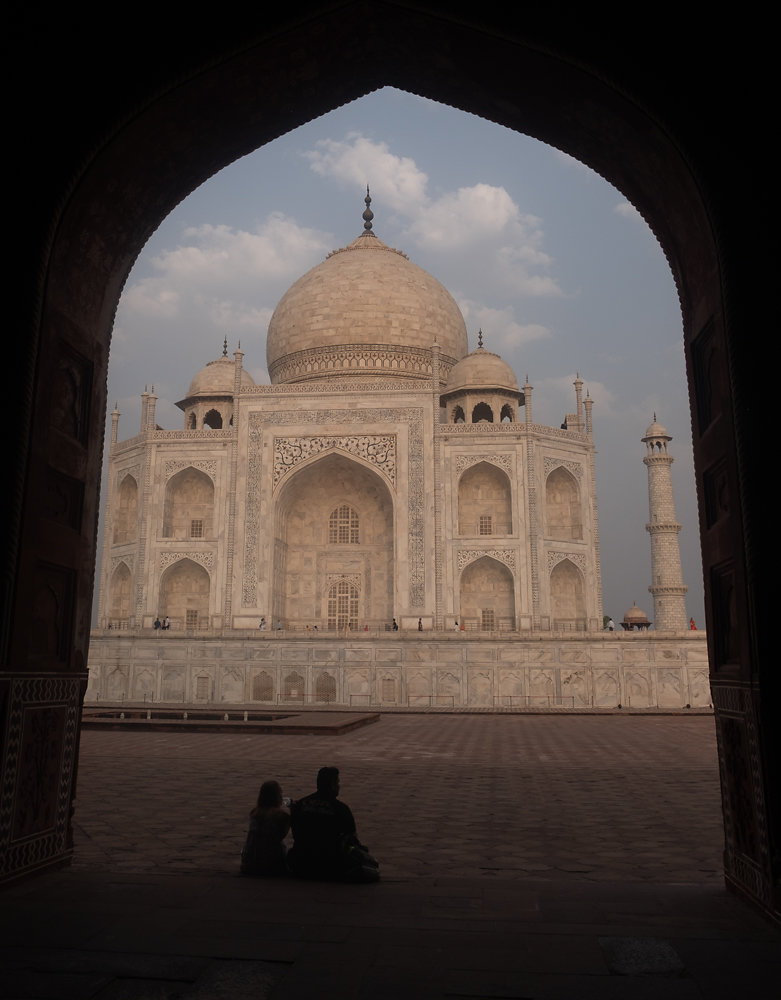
pixel 500 329
pixel 396 180
pixel 628 211
pixel 455 222
pixel 465 216
pixel 217 259
pixel 227 314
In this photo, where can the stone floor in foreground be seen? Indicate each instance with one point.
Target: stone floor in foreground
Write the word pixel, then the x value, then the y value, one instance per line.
pixel 523 858
pixel 491 796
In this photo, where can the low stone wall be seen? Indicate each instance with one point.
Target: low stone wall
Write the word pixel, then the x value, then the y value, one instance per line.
pixel 603 670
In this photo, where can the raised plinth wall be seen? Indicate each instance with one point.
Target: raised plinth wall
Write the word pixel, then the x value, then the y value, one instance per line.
pixel 603 670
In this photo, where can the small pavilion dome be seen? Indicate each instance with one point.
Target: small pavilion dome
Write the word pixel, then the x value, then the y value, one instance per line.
pixel 217 379
pixel 481 369
pixel 656 430
pixel 636 618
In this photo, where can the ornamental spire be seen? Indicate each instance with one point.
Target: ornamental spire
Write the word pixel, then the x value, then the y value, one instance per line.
pixel 368 215
pixel 480 337
pixel 225 348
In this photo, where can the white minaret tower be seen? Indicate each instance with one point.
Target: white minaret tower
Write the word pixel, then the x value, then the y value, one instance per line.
pixel 667 585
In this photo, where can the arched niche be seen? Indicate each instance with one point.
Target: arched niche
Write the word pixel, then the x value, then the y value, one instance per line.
pixel 325 687
pixel 263 687
pixel 120 605
pixel 184 595
pixel 487 595
pixel 567 596
pixel 458 415
pixel 484 501
pixel 482 414
pixel 563 509
pixel 333 522
pixel 213 420
pixel 293 687
pixel 188 511
pixel 126 510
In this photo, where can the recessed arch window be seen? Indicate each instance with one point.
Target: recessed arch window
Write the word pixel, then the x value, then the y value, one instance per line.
pixel 562 505
pixel 458 416
pixel 343 526
pixel 213 419
pixel 482 414
pixel 125 522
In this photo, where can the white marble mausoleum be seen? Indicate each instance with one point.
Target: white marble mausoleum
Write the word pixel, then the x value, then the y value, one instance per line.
pixel 386 477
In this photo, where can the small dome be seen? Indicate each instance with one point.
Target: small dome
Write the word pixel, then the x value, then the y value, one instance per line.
pixel 636 616
pixel 481 370
pixel 656 431
pixel 365 310
pixel 217 378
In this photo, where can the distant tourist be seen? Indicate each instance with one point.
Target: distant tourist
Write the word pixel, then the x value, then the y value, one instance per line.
pixel 166 622
pixel 611 625
pixel 157 624
pixel 325 844
pixel 395 626
pixel 279 625
pixel 692 626
pixel 262 624
pixel 420 624
pixel 455 627
pixel 264 849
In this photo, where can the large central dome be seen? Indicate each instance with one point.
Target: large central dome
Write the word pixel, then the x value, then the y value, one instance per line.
pixel 366 310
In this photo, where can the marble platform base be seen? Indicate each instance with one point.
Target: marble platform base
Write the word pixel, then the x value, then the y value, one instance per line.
pixel 602 670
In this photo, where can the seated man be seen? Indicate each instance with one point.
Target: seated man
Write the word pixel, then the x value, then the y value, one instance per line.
pixel 325 844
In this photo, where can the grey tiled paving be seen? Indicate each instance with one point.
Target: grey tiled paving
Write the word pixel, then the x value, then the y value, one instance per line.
pixel 549 858
pixel 496 797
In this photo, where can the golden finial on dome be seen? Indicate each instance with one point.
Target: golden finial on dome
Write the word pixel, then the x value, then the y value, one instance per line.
pixel 480 337
pixel 368 215
pixel 225 348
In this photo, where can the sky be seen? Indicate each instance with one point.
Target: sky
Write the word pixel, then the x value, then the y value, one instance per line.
pixel 559 271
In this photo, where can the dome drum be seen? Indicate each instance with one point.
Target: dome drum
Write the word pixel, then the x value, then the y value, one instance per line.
pixel 361 360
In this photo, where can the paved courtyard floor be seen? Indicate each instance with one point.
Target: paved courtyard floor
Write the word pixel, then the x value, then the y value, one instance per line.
pixel 493 796
pixel 523 857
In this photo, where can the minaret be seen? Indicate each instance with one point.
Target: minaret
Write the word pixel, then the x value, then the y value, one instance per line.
pixel 667 585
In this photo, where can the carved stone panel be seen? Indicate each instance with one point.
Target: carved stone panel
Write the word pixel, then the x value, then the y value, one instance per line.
pixel 379 450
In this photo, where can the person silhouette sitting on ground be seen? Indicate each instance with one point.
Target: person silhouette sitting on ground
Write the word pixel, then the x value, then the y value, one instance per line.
pixel 325 844
pixel 264 850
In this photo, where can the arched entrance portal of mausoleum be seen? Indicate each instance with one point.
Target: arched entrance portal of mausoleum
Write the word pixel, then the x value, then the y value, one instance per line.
pixel 333 547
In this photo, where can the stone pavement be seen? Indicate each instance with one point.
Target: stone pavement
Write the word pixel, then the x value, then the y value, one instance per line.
pixel 522 857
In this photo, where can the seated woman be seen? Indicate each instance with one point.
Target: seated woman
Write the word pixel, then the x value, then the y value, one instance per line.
pixel 264 850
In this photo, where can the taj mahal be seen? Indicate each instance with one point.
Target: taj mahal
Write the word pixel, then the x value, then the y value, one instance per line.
pixel 383 524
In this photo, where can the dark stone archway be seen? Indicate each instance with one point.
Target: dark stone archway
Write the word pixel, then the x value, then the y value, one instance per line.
pixel 130 124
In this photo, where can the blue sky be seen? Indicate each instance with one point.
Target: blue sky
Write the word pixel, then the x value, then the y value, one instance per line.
pixel 561 273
